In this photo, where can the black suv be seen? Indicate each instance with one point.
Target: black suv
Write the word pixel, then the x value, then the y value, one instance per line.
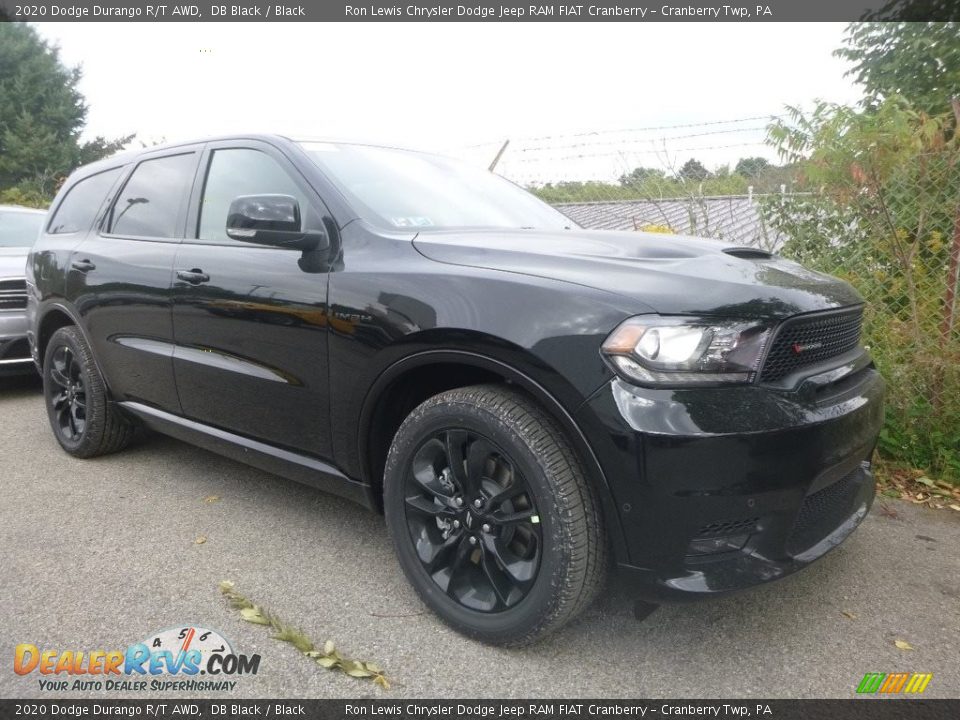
pixel 520 397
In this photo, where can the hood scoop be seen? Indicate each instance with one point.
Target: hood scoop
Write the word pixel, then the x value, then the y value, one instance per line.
pixel 748 253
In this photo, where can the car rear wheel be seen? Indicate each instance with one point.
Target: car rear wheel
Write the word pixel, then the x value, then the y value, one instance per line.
pixel 84 421
pixel 491 516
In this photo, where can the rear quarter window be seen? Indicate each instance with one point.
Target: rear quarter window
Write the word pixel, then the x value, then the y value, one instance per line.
pixel 79 208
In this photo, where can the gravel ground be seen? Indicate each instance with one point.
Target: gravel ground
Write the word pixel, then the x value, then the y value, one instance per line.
pixel 100 554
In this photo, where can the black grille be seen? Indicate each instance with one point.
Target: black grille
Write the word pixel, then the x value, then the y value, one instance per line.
pixel 811 339
pixel 823 512
pixel 13 294
pixel 728 527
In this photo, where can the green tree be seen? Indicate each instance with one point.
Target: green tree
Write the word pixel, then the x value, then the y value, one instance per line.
pixel 880 209
pixel 752 167
pixel 42 114
pixel 640 175
pixel 693 170
pixel 917 61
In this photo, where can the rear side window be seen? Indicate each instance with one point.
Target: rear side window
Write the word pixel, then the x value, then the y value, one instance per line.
pixel 150 203
pixel 240 171
pixel 79 208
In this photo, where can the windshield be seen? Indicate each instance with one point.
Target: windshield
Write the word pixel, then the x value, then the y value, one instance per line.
pixel 19 228
pixel 405 189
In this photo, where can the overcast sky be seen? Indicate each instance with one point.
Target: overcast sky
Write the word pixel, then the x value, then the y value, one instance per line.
pixel 447 87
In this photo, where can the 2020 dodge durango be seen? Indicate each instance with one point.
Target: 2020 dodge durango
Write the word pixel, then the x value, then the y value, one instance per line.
pixel 523 399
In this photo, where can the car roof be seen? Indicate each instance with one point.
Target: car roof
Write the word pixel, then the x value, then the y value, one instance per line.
pixel 125 156
pixel 20 208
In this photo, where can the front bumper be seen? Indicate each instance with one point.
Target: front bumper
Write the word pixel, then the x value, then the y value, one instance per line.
pixel 15 355
pixel 720 489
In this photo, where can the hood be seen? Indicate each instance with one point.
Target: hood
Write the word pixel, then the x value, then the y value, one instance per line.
pixel 667 274
pixel 13 261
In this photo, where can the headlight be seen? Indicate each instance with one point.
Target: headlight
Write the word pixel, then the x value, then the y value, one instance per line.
pixel 675 351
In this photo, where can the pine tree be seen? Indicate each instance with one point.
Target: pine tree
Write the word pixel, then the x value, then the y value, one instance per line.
pixel 42 114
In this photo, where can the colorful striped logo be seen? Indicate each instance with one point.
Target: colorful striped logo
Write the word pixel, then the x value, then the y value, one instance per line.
pixel 893 683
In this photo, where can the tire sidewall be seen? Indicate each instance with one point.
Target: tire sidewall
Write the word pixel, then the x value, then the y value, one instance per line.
pixel 540 602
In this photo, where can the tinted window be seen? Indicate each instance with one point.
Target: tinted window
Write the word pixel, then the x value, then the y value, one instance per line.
pixel 149 204
pixel 19 229
pixel 236 172
pixel 79 208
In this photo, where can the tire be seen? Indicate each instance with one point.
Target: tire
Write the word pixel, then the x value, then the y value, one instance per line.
pixel 537 556
pixel 84 421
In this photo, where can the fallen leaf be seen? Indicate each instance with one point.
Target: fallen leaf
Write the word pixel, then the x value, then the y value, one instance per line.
pixel 925 481
pixel 211 498
pixel 328 658
pixel 903 644
pixel 848 614
pixel 955 507
pixel 888 511
pixel 201 539
pixel 253 615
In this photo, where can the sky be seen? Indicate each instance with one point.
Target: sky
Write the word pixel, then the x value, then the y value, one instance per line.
pixel 562 93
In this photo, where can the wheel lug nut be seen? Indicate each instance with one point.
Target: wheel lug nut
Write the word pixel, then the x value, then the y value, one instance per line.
pixel 456 523
pixel 477 503
pixel 458 501
pixel 473 540
pixel 486 527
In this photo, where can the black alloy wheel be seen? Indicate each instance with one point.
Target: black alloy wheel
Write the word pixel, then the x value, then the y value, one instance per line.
pixel 491 515
pixel 472 520
pixel 69 394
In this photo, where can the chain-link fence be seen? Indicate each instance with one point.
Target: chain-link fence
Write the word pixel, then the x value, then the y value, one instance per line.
pixel 897 241
pixel 899 245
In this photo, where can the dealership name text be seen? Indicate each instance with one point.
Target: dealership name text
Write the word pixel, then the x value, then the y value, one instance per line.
pixel 519 11
pixel 568 709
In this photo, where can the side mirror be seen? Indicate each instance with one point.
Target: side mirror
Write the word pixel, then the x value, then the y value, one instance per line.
pixel 272 220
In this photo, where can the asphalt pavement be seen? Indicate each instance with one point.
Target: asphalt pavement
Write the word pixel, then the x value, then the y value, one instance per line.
pixel 99 554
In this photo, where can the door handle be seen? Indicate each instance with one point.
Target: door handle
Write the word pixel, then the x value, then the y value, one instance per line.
pixel 194 276
pixel 83 265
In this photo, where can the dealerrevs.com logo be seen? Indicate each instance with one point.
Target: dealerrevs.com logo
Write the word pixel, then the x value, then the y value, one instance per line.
pixel 170 660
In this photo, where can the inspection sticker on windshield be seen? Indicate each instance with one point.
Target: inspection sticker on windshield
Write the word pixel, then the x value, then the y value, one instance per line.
pixel 414 221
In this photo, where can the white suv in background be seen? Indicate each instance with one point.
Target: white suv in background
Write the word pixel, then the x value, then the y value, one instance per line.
pixel 19 227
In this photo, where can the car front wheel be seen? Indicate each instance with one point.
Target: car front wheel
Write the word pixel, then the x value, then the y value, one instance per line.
pixel 491 515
